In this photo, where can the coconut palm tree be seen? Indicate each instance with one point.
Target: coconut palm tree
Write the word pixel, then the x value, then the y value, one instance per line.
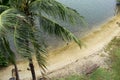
pixel 18 21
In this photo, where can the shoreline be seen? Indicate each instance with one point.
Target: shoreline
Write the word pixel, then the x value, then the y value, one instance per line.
pixel 86 35
pixel 94 42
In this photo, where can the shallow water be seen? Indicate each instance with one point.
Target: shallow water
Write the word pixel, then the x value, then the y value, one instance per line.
pixel 95 13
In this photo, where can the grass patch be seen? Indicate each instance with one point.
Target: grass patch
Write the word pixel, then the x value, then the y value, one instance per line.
pixel 72 77
pixel 114 52
pixel 99 74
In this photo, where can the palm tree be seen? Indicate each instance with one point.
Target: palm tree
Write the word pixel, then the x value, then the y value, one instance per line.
pixel 18 21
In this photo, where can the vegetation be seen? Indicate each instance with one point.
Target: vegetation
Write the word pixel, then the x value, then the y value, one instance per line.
pixel 112 73
pixel 114 51
pixel 118 0
pixel 18 26
pixel 8 54
pixel 3 61
pixel 71 77
pixel 99 74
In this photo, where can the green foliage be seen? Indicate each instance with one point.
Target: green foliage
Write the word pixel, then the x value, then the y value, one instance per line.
pixel 100 74
pixel 72 77
pixel 114 51
pixel 4 2
pixel 3 54
pixel 118 0
pixel 6 54
pixel 3 61
pixel 115 58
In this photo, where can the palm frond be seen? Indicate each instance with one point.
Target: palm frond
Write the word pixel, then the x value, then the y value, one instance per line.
pixel 15 22
pixel 52 8
pixel 2 49
pixel 55 9
pixel 3 8
pixel 20 4
pixel 52 27
pixel 6 50
pixel 41 58
pixel 25 36
pixel 4 2
pixel 16 3
pixel 39 48
pixel 9 50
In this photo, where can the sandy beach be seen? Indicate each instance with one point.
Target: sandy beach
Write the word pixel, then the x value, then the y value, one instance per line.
pixel 62 60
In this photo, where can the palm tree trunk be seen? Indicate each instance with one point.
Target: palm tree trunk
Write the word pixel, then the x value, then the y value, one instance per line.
pixel 31 64
pixel 16 72
pixel 32 69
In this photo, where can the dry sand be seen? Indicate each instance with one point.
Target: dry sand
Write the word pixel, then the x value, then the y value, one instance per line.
pixel 71 57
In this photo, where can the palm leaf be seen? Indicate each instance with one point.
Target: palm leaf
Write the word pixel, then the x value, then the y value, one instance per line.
pixel 39 49
pixel 9 50
pixel 53 28
pixel 41 58
pixel 15 22
pixel 45 8
pixel 4 2
pixel 25 36
pixel 20 4
pixel 55 9
pixel 6 50
pixel 23 32
pixel 3 8
pixel 2 49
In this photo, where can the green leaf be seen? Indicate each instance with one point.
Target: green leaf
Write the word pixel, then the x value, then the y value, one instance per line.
pixel 52 27
pixel 15 22
pixel 4 2
pixel 3 8
pixel 55 9
pixel 6 50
